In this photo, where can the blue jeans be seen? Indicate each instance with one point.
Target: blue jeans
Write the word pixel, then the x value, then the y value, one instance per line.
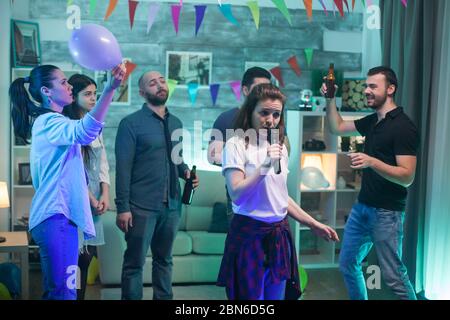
pixel 383 229
pixel 158 230
pixel 57 238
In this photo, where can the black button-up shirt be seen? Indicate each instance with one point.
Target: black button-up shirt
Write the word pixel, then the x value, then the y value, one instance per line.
pixel 142 161
pixel 393 136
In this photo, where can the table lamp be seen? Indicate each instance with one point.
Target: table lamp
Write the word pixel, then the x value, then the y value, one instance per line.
pixel 4 200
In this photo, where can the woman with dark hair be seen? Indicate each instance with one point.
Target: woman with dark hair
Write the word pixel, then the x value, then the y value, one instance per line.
pixel 84 91
pixel 260 256
pixel 60 204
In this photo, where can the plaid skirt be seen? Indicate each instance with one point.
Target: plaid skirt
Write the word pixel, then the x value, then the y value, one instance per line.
pixel 251 247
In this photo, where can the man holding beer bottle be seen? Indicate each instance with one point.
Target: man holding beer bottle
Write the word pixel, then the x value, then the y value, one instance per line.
pixel 389 164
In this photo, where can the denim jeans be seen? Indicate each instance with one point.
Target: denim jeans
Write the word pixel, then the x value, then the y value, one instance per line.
pixel 383 229
pixel 57 238
pixel 156 229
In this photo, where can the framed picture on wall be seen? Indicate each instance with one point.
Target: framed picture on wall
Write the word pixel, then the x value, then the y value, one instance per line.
pixel 265 65
pixel 353 97
pixel 24 174
pixel 26 45
pixel 189 67
pixel 122 95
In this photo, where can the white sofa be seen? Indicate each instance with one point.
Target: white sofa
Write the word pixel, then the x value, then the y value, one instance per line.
pixel 197 254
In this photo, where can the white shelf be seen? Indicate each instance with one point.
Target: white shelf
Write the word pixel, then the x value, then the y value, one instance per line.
pixel 25 186
pixel 27 147
pixel 332 203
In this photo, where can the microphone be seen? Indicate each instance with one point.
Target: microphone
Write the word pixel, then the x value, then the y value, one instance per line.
pixel 275 135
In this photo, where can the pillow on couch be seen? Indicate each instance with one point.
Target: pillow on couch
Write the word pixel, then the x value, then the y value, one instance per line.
pixel 219 220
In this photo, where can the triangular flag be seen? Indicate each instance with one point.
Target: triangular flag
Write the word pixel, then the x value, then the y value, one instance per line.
pixel 364 3
pixel 236 87
pixel 334 9
pixel 193 89
pixel 353 5
pixel 277 74
pixel 111 7
pixel 152 12
pixel 226 11
pixel 294 65
pixel 308 7
pixel 405 3
pixel 254 9
pixel 214 89
pixel 176 10
pixel 92 6
pixel 369 3
pixel 130 68
pixel 346 4
pixel 172 84
pixel 281 5
pixel 69 2
pixel 324 7
pixel 309 55
pixel 132 5
pixel 340 6
pixel 199 15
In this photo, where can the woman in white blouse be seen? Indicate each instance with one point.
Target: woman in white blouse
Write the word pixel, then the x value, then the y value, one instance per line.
pixel 84 91
pixel 259 261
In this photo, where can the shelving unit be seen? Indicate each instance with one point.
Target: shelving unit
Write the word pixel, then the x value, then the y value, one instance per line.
pixel 329 205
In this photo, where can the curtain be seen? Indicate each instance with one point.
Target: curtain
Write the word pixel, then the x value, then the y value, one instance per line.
pixel 414 41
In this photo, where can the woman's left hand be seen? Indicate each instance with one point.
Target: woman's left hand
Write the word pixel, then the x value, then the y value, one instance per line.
pixel 103 205
pixel 325 232
pixel 117 75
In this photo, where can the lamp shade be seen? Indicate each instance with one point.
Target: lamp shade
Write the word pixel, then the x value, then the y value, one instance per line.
pixel 4 198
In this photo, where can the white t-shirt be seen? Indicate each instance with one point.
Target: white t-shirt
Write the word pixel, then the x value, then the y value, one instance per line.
pixel 267 202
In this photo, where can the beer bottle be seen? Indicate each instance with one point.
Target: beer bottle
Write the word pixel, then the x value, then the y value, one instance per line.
pixel 188 191
pixel 330 80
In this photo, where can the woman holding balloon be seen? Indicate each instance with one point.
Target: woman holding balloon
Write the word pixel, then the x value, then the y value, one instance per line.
pixel 60 204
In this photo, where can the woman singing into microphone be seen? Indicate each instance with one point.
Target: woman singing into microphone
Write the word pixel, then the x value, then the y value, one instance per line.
pixel 259 255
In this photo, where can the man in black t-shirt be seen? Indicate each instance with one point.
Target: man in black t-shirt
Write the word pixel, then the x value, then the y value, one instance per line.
pixel 389 164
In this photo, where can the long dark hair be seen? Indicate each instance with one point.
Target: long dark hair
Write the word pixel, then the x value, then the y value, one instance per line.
pixel 24 110
pixel 259 93
pixel 79 82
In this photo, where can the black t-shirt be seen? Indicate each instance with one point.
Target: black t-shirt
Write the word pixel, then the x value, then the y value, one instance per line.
pixel 393 136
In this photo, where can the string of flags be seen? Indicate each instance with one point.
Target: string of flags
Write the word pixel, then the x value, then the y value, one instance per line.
pixel 226 10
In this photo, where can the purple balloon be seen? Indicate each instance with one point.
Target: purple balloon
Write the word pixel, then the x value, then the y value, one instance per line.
pixel 94 47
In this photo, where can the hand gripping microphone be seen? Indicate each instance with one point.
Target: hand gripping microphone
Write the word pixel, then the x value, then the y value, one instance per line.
pixel 273 137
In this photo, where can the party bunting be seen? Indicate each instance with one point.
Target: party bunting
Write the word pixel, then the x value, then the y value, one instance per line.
pixel 130 68
pixel 226 11
pixel 236 87
pixel 292 61
pixel 309 55
pixel 152 12
pixel 199 15
pixel 254 9
pixel 172 84
pixel 176 10
pixel 132 5
pixel 364 3
pixel 214 89
pixel 346 4
pixel 111 7
pixel 334 9
pixel 353 5
pixel 308 6
pixel 193 90
pixel 92 6
pixel 324 7
pixel 405 3
pixel 340 6
pixel 281 5
pixel 277 74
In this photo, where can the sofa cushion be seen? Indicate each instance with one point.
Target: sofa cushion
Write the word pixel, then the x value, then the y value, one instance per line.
pixel 181 246
pixel 207 243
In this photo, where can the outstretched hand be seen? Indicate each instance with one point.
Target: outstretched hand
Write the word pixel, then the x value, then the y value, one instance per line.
pixel 117 76
pixel 325 232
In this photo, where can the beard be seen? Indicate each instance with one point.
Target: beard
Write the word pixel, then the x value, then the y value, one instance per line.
pixel 378 101
pixel 157 99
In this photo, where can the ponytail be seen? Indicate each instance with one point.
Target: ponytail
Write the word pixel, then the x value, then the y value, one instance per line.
pixel 24 111
pixel 20 112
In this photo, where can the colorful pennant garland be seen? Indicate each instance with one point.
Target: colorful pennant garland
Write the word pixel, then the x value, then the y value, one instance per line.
pixel 292 61
pixel 236 87
pixel 277 74
pixel 92 7
pixel 309 55
pixel 193 90
pixel 226 11
pixel 214 90
pixel 308 7
pixel 199 15
pixel 111 7
pixel 176 11
pixel 254 9
pixel 152 12
pixel 281 5
pixel 172 84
